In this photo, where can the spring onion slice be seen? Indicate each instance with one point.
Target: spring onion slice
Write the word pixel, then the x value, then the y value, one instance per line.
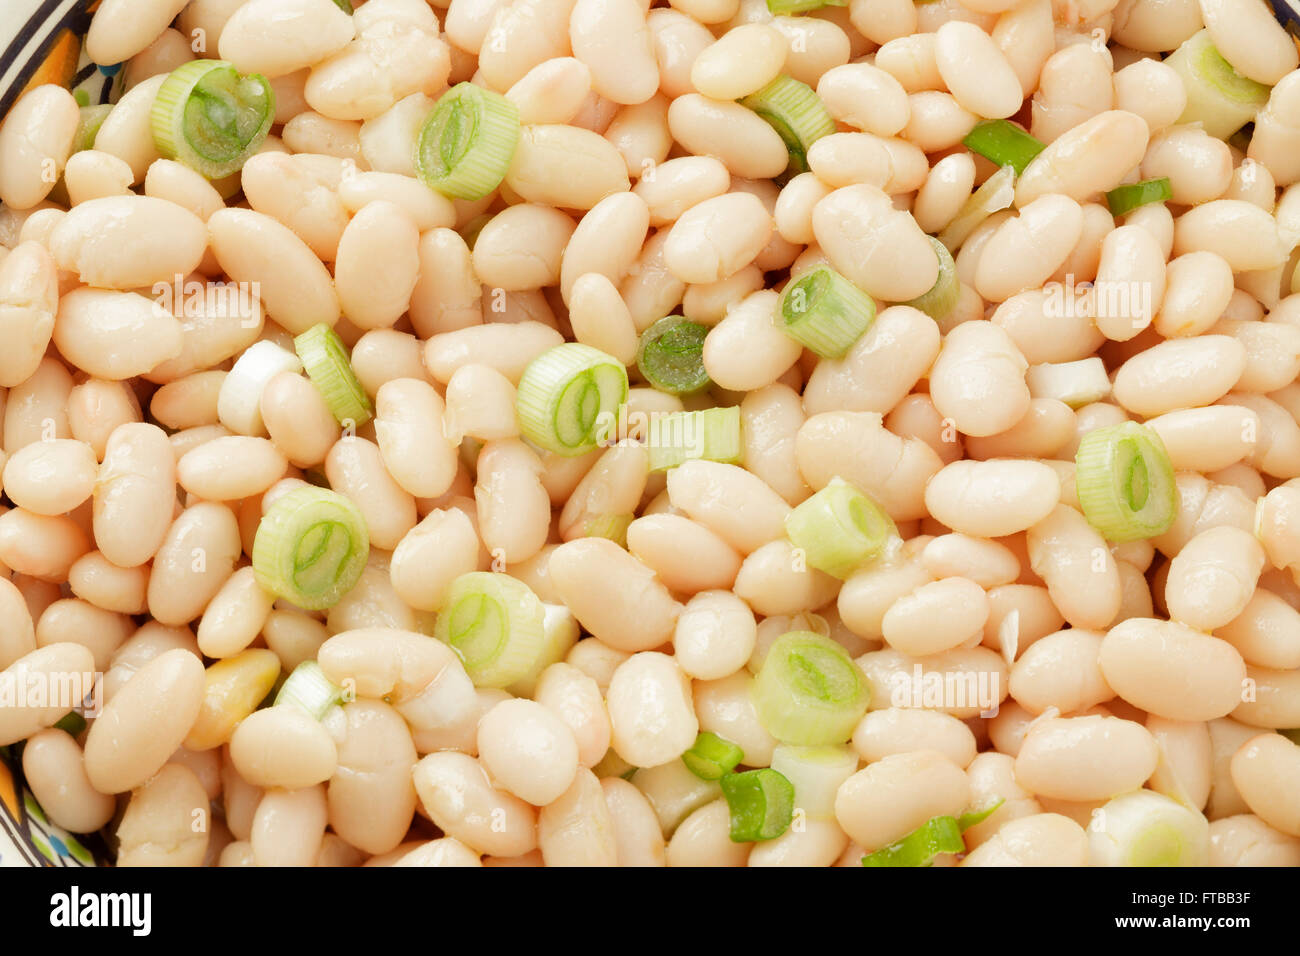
pixel 92 118
pixel 560 632
pixel 1077 383
pixel 568 398
pixel 71 723
pixel 308 689
pixel 783 8
pixel 671 355
pixel 1122 200
pixel 239 400
pixel 826 312
pixel 343 5
pixel 761 804
pixel 974 817
pixel 496 624
pixel 712 434
pixel 1125 482
pixel 1218 97
pixel 712 758
pixel 614 527
pixel 310 547
pixel 325 359
pixel 1003 143
pixel 1145 828
pixel 997 193
pixel 797 114
pixel 808 691
pixel 211 117
pixel 816 773
pixel 466 144
pixel 939 301
pixel 919 848
pixel 839 529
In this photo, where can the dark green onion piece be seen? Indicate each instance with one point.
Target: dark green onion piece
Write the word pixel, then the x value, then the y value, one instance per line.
pixel 761 804
pixel 1003 142
pixel 825 312
pixel 1124 199
pixel 711 757
pixel 343 5
pixel 919 848
pixel 467 142
pixel 1125 482
pixel 797 114
pixel 72 723
pixel 211 117
pixel 973 817
pixel 671 355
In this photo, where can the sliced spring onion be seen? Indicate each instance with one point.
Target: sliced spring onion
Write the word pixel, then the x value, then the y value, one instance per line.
pixel 311 547
pixel 783 8
pixel 939 301
pixel 1003 143
pixel 466 143
pixel 1125 482
pixel 712 434
pixel 808 691
pixel 568 398
pixel 613 527
pixel 671 355
pixel 919 848
pixel 92 118
pixel 343 5
pixel 72 723
pixel 711 758
pixel 1122 200
pixel 211 117
pixel 325 359
pixel 826 312
pixel 308 689
pixel 761 804
pixel 839 529
pixel 997 193
pixel 496 624
pixel 797 114
pixel 561 632
pixel 973 817
pixel 1074 383
pixel 1218 97
pixel 1145 828
pixel 239 401
pixel 816 773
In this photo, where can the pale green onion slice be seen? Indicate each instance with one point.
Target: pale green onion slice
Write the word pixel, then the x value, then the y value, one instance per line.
pixel 783 8
pixel 343 5
pixel 939 301
pixel 311 547
pixel 211 117
pixel 239 400
pixel 325 359
pixel 1145 828
pixel 839 529
pixel 614 527
pixel 466 144
pixel 761 804
pixel 975 817
pixel 711 434
pixel 808 691
pixel 671 355
pixel 997 193
pixel 1125 482
pixel 1122 200
pixel 816 773
pixel 797 114
pixel 712 757
pixel 308 689
pixel 1218 97
pixel 92 118
pixel 560 632
pixel 1003 143
pixel 568 398
pixel 936 836
pixel 1074 383
pixel 825 312
pixel 497 626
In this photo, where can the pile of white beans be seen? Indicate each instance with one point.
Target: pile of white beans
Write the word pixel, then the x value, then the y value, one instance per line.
pixel 640 188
